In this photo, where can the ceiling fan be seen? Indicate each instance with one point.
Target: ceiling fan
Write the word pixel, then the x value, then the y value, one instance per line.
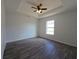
pixel 38 8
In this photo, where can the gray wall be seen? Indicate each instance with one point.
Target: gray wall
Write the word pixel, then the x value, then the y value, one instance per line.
pixel 3 29
pixel 65 27
pixel 20 26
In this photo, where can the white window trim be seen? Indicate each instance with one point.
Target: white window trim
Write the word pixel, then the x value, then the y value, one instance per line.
pixel 50 27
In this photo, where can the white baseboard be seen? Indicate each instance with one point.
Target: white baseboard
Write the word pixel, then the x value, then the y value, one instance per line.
pixel 18 39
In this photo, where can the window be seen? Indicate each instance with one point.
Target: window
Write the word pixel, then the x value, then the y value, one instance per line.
pixel 50 27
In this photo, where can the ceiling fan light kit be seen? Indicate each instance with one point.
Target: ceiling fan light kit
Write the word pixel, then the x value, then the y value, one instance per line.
pixel 39 11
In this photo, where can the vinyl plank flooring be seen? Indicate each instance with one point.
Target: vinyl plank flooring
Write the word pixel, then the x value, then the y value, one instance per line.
pixel 39 48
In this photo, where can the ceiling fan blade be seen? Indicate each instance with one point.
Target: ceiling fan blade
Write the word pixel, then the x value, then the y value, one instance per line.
pixel 40 4
pixel 43 8
pixel 35 10
pixel 34 7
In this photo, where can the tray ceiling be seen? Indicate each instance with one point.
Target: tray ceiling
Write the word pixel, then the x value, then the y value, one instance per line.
pixel 53 6
pixel 25 6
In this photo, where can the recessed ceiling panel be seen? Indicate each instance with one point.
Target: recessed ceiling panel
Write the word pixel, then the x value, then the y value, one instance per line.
pixel 25 6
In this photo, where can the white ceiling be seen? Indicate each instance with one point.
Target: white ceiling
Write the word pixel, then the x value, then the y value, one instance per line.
pixel 53 6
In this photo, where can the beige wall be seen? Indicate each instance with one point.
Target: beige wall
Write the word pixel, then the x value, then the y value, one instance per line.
pixel 20 26
pixel 3 28
pixel 65 27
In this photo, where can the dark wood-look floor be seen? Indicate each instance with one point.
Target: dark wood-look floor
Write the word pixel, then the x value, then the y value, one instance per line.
pixel 38 48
